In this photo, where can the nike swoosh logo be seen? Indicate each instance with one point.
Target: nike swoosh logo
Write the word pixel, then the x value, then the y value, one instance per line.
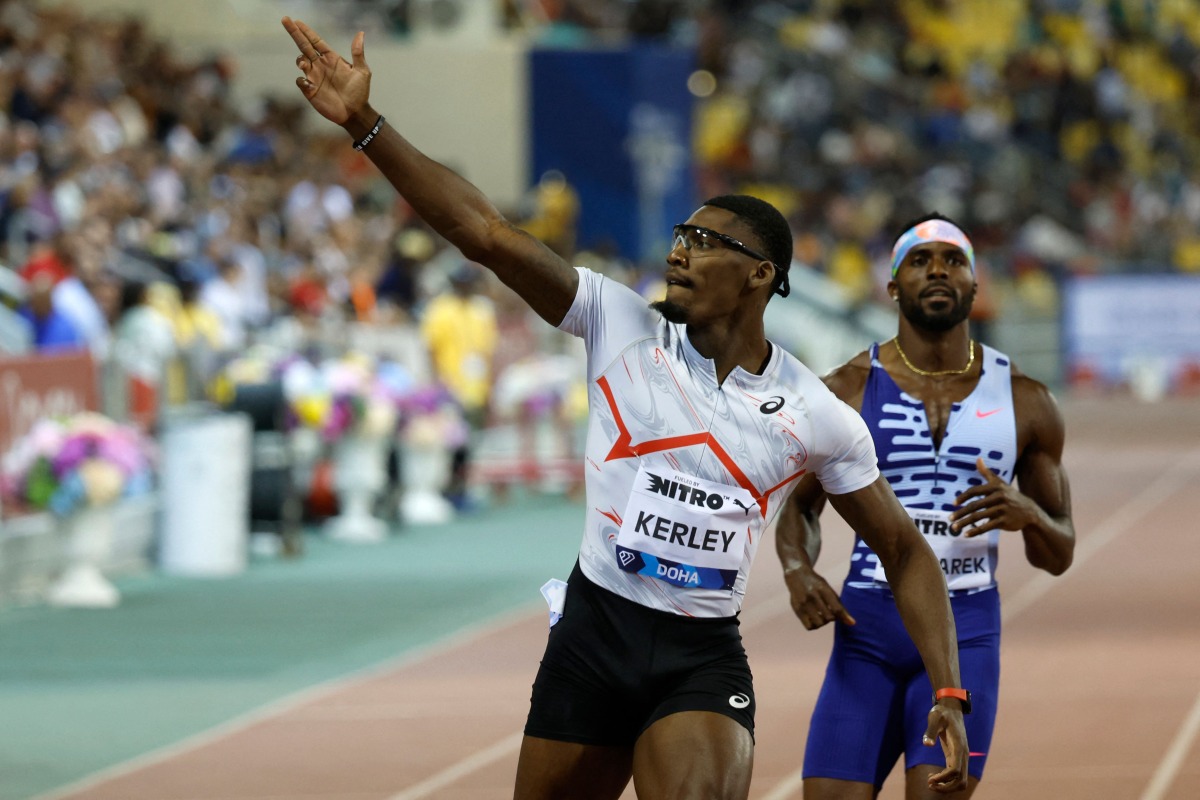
pixel 982 414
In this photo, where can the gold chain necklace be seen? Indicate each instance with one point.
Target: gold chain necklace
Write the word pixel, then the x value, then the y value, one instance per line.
pixel 926 373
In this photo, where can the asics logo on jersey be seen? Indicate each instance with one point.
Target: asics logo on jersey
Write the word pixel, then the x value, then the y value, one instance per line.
pixel 739 700
pixel 685 494
pixel 771 406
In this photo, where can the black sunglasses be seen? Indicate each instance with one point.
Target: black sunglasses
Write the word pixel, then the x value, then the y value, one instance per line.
pixel 694 237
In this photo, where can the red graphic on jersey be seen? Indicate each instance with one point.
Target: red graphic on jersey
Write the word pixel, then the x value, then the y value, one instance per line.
pixel 624 447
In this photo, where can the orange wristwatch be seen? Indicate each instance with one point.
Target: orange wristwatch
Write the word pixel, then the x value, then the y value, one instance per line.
pixel 961 695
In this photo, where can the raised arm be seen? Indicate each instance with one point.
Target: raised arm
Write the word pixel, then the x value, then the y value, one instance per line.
pixel 1041 509
pixel 924 605
pixel 454 207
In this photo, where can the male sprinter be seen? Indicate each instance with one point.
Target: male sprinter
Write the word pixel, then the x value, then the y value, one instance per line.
pixel 953 422
pixel 698 427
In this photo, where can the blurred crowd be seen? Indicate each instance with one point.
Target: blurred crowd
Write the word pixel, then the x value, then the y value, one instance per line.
pixel 138 203
pixel 1064 134
pixel 148 217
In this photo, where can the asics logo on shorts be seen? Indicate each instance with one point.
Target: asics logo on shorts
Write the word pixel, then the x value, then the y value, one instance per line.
pixel 739 700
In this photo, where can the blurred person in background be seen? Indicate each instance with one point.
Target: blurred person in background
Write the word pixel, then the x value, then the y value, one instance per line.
pixel 308 292
pixel 221 296
pixel 361 295
pixel 48 257
pixel 243 238
pixel 553 212
pixel 459 328
pixel 52 329
pixel 143 338
pixel 687 730
pixel 954 423
pixel 57 259
pixel 196 326
pixel 398 280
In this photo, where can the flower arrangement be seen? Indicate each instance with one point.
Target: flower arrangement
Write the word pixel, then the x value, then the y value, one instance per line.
pixel 542 386
pixel 254 367
pixel 430 417
pixel 352 394
pixel 340 396
pixel 80 461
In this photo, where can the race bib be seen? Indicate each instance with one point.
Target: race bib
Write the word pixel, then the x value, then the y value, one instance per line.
pixel 684 530
pixel 964 561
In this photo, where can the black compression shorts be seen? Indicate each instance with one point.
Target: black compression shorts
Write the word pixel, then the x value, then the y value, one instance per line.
pixel 612 668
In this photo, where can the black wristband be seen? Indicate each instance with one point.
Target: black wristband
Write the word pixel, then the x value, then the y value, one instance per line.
pixel 366 140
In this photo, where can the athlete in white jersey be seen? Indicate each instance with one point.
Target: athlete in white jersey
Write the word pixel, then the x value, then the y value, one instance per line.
pixel 699 427
pixel 953 423
pixel 692 469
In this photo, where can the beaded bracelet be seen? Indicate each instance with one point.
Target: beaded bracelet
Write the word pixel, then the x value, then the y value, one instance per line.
pixel 366 140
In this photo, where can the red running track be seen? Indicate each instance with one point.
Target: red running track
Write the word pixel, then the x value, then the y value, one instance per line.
pixel 1100 667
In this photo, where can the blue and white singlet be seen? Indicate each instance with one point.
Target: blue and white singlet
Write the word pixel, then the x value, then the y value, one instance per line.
pixel 927 480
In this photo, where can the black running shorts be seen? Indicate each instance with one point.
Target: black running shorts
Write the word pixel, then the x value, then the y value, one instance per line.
pixel 612 668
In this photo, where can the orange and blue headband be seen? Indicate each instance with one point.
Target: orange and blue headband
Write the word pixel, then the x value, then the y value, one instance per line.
pixel 934 230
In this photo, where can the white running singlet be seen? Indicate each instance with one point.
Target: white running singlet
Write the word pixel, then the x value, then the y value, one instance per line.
pixel 685 474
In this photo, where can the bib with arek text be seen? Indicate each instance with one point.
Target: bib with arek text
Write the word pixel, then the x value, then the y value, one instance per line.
pixel 964 559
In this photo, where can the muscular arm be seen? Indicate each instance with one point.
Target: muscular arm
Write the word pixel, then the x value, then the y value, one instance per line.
pixel 452 206
pixel 913 572
pixel 1041 509
pixel 1050 535
pixel 458 211
pixel 917 582
pixel 921 598
pixel 798 544
pixel 798 530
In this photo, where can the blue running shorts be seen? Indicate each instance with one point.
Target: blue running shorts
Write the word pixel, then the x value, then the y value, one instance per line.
pixel 874 704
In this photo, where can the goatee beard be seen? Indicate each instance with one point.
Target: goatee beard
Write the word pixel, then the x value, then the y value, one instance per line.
pixel 941 321
pixel 671 312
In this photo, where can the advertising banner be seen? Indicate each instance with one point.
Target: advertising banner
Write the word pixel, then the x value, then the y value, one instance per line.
pixel 1137 329
pixel 617 123
pixel 44 385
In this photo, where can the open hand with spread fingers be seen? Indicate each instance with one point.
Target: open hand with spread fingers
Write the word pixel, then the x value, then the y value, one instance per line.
pixel 993 505
pixel 335 87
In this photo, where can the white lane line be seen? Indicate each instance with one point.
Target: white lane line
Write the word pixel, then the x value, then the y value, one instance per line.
pixel 507 746
pixel 1174 478
pixel 790 786
pixel 1168 768
pixel 293 701
pixel 1170 481
pixel 757 614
